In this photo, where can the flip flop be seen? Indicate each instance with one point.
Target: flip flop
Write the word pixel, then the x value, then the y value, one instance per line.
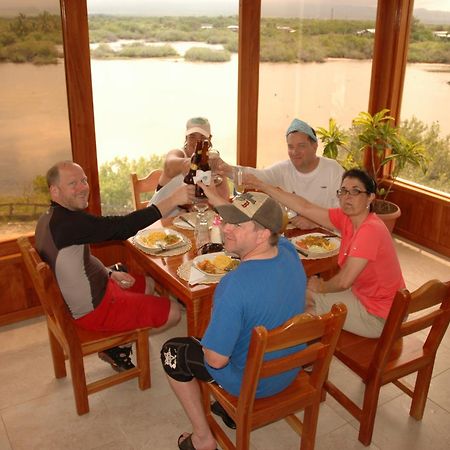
pixel 186 444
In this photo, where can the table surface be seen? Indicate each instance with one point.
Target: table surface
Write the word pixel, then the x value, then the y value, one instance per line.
pixel 198 298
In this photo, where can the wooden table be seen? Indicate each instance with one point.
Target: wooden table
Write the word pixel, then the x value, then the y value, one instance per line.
pixel 198 298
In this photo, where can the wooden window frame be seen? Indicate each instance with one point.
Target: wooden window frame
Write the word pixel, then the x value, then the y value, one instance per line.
pixel 388 72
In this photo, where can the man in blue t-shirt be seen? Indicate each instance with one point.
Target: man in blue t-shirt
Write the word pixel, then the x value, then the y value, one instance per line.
pixel 267 288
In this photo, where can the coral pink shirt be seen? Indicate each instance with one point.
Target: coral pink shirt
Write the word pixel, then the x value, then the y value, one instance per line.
pixel 378 282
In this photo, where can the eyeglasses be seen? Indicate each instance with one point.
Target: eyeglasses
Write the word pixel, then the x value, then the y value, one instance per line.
pixel 353 192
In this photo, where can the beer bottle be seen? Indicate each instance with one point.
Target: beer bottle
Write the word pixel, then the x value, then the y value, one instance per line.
pixel 195 162
pixel 204 167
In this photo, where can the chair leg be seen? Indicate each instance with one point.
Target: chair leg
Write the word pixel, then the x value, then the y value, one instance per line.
pixel 79 384
pixel 421 388
pixel 143 360
pixel 310 419
pixel 58 357
pixel 369 411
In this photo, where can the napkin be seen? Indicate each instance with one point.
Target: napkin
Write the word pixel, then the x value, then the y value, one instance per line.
pixel 196 276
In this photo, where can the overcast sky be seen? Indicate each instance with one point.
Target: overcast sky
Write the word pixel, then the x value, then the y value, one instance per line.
pixel 229 6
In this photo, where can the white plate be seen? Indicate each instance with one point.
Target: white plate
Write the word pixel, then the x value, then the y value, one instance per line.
pixel 191 217
pixel 142 236
pixel 317 251
pixel 210 257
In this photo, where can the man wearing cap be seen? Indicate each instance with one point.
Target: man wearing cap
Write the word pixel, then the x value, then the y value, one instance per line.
pixel 267 288
pixel 177 162
pixel 315 178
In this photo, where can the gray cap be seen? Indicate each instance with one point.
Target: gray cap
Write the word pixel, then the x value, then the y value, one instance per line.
pixel 298 125
pixel 255 206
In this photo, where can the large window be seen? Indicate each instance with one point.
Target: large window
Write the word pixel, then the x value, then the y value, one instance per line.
pixel 152 69
pixel 34 130
pixel 316 63
pixel 426 94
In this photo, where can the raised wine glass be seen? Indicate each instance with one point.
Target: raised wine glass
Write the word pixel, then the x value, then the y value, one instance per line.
pixel 214 158
pixel 238 180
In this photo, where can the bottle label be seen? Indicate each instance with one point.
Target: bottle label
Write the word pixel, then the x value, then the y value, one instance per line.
pixel 204 176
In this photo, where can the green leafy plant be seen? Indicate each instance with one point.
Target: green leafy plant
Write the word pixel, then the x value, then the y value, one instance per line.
pixel 385 143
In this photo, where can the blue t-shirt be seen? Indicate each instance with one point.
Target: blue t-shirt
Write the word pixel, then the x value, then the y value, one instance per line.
pixel 259 292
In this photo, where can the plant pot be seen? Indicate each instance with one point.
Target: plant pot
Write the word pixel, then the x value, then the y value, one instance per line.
pixel 388 212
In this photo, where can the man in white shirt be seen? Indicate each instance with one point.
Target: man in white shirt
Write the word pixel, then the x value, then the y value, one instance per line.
pixel 315 178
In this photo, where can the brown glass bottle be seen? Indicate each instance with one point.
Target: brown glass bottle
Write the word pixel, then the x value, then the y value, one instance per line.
pixel 195 163
pixel 203 165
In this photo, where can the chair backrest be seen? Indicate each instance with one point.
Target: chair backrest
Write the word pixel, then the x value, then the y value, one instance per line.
pixel 49 294
pixel 144 185
pixel 319 332
pixel 410 313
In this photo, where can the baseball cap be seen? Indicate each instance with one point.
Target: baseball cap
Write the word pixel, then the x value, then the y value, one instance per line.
pixel 255 206
pixel 198 125
pixel 298 125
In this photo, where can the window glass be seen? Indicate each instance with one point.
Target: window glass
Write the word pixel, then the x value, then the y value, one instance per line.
pixel 155 65
pixel 34 125
pixel 426 93
pixel 316 61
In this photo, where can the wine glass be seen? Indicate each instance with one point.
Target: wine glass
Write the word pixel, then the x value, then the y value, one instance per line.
pixel 214 157
pixel 201 231
pixel 238 180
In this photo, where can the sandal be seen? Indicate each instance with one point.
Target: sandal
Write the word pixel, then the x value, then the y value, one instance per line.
pixel 186 443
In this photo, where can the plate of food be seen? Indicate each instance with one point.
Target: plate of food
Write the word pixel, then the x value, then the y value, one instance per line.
pixel 159 239
pixel 317 245
pixel 216 264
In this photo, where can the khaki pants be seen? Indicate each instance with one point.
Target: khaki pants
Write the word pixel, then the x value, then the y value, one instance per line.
pixel 358 320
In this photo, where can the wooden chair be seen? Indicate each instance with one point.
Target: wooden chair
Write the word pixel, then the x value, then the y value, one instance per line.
pixel 144 185
pixel 304 393
pixel 402 349
pixel 67 341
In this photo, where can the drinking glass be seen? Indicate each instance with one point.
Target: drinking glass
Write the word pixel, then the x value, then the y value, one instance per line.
pixel 201 231
pixel 238 180
pixel 214 158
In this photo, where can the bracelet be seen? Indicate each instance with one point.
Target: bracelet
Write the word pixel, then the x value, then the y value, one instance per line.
pixel 110 273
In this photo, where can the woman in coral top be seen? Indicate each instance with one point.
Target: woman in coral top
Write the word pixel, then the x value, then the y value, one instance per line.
pixel 370 273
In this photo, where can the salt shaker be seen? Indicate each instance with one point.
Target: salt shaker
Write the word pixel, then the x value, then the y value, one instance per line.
pixel 215 233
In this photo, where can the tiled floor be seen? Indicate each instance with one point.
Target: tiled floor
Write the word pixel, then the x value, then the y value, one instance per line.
pixel 37 411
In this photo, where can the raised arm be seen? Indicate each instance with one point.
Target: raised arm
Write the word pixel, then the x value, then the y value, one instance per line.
pixel 181 196
pixel 176 163
pixel 295 202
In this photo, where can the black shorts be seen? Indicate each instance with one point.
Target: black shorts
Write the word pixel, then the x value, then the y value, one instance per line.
pixel 182 359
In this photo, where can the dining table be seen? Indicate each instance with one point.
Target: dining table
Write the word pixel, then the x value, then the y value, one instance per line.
pixel 198 298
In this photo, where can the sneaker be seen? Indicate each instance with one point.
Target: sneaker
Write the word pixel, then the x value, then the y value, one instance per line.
pixel 118 357
pixel 218 410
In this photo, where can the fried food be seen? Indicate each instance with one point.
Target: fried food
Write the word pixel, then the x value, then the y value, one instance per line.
pixel 155 237
pixel 315 244
pixel 218 265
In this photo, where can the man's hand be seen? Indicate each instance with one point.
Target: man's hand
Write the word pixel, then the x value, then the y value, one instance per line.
pixel 184 194
pixel 252 182
pixel 214 198
pixel 222 168
pixel 123 279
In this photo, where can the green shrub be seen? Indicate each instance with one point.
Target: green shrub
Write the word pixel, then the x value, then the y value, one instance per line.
pixel 115 182
pixel 207 55
pixel 146 51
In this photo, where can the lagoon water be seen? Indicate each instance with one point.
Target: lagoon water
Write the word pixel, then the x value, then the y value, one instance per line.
pixel 141 107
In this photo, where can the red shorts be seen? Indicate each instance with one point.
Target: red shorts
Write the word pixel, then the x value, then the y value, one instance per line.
pixel 127 309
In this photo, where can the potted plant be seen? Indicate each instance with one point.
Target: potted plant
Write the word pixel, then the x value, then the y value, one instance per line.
pixel 385 145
